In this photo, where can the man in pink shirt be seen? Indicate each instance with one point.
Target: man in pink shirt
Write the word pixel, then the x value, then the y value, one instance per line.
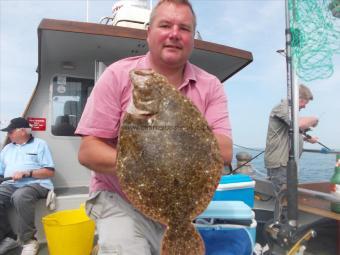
pixel 121 228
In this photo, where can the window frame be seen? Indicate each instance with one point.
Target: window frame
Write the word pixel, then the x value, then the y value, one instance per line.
pixel 53 115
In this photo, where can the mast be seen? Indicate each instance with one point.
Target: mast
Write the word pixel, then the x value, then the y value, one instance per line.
pixel 292 96
pixel 284 231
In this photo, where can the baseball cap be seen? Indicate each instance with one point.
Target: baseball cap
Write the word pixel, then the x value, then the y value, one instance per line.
pixel 16 123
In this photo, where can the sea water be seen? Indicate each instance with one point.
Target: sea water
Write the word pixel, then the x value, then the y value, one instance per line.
pixel 313 167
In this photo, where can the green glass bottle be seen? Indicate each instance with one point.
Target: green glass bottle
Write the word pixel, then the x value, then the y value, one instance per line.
pixel 335 185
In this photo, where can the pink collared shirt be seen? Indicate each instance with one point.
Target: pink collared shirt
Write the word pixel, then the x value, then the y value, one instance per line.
pixel 106 105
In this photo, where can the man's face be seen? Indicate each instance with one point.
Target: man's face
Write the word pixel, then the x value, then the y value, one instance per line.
pixel 171 35
pixel 15 134
pixel 302 103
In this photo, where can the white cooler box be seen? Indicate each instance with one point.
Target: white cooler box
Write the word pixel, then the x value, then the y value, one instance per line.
pixel 227 228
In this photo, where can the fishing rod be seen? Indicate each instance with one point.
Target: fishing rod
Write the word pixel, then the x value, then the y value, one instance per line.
pixel 234 170
pixel 304 132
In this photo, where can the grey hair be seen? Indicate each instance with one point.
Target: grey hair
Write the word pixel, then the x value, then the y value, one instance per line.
pixel 305 93
pixel 184 2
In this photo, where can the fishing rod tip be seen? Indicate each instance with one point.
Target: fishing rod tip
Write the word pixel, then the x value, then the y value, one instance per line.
pixel 325 150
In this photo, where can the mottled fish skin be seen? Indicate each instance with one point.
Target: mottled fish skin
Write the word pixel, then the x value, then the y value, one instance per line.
pixel 168 160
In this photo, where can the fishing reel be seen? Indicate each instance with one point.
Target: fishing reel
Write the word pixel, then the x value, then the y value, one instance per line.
pixel 288 238
pixel 281 234
pixel 304 132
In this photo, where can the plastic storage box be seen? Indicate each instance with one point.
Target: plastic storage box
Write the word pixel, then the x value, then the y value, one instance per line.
pixel 227 228
pixel 238 187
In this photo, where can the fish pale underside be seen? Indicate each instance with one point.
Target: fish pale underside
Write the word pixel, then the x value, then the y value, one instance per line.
pixel 168 160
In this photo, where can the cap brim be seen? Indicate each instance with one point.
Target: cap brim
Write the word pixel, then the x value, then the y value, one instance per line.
pixel 7 129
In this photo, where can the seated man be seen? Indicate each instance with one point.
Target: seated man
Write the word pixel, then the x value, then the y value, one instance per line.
pixel 28 161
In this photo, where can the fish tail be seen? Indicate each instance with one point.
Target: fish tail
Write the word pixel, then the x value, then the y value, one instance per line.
pixel 182 240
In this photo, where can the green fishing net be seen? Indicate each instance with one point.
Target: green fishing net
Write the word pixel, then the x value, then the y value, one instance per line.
pixel 315 27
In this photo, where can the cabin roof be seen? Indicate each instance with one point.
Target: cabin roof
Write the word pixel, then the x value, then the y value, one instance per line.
pixel 68 40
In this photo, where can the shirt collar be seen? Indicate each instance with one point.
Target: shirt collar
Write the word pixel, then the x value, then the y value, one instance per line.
pixel 30 140
pixel 189 75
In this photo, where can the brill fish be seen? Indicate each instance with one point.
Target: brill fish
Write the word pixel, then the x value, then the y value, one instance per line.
pixel 168 160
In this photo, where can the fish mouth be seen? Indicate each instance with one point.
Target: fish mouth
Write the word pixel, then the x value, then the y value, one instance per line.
pixel 145 99
pixel 139 77
pixel 139 111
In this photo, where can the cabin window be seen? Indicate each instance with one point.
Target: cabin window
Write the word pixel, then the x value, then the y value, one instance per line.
pixel 69 97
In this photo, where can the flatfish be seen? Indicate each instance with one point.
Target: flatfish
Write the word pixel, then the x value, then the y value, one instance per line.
pixel 168 160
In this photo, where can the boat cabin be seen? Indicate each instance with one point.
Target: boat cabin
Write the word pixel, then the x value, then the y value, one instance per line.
pixel 71 57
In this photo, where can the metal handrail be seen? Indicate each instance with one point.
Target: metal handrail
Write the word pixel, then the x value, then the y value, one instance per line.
pixel 323 151
pixel 108 19
pixel 318 194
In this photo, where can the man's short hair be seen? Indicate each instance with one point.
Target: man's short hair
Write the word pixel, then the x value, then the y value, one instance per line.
pixel 305 93
pixel 184 2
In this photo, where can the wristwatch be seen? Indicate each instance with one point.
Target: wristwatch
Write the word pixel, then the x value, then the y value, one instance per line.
pixel 31 174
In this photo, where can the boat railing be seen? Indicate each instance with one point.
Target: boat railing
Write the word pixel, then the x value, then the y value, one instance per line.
pixel 124 23
pixel 134 17
pixel 318 194
pixel 105 20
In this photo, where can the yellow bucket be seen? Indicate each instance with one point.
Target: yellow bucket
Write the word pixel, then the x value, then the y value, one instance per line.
pixel 69 232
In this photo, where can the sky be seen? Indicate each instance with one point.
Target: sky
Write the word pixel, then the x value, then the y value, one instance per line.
pixel 254 25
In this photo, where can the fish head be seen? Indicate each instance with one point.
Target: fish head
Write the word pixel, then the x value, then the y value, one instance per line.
pixel 146 95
